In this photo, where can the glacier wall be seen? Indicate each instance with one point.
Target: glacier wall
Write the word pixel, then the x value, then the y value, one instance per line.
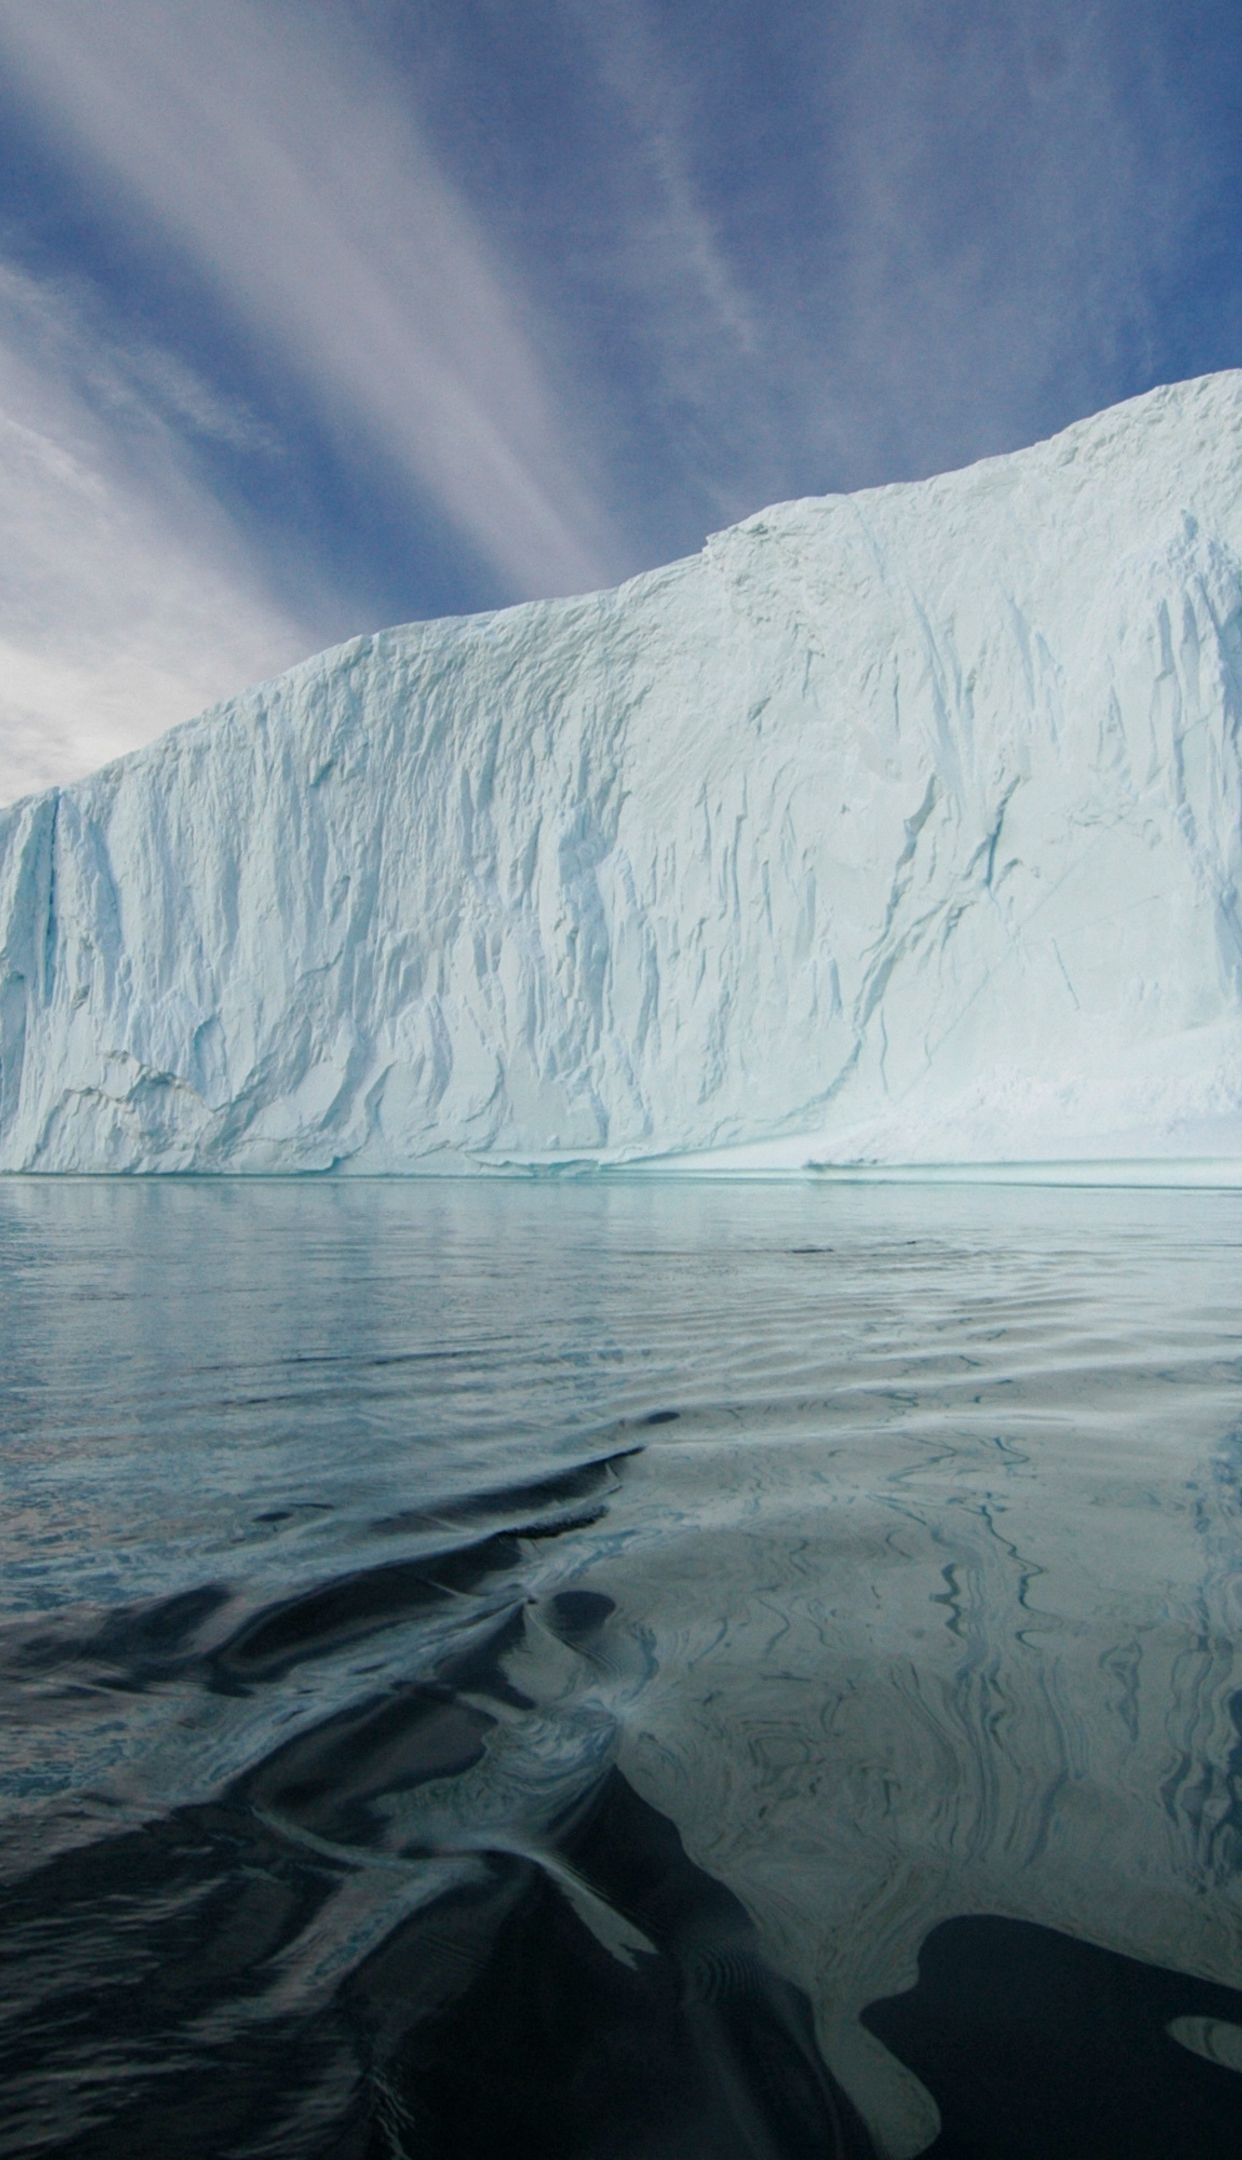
pixel 897 827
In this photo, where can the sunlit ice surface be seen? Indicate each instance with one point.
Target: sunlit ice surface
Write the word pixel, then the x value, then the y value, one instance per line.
pixel 620 1668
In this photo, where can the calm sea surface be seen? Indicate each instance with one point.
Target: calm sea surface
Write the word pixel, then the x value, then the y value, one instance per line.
pixel 619 1670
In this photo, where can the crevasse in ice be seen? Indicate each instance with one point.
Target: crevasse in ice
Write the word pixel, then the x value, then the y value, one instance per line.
pixel 901 827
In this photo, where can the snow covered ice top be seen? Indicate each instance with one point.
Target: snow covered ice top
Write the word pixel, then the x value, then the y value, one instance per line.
pixel 898 827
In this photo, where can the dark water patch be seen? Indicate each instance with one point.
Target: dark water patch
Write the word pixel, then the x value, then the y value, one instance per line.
pixel 1033 2043
pixel 320 1622
pixel 168 1640
pixel 563 2048
pixel 166 1992
pixel 198 1985
pixel 558 1501
pixel 135 1977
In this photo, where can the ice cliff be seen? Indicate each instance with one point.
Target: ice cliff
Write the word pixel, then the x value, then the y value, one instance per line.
pixel 903 826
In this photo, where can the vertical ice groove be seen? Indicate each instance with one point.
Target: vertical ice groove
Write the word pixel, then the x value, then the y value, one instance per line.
pixel 900 828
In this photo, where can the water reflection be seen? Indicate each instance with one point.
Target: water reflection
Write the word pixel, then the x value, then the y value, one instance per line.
pixel 403 1583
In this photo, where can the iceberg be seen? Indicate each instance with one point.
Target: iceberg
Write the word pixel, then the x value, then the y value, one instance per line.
pixel 899 828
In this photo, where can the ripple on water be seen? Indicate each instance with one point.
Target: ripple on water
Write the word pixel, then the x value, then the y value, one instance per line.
pixel 620 1669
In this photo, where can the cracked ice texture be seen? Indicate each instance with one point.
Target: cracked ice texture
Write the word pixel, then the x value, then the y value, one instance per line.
pixel 903 826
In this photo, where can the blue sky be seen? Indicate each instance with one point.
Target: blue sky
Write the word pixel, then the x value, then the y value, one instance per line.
pixel 321 314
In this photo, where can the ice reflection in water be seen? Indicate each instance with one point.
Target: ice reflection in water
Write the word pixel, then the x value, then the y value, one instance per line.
pixel 350 1533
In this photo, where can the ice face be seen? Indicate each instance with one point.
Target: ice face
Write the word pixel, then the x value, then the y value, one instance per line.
pixel 898 827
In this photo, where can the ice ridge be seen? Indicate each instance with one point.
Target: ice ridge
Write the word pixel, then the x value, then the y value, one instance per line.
pixel 901 827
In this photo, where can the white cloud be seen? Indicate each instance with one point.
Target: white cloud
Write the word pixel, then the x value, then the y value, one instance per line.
pixel 950 238
pixel 265 144
pixel 268 143
pixel 128 601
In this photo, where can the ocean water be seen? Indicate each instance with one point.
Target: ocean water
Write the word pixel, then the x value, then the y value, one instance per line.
pixel 620 1669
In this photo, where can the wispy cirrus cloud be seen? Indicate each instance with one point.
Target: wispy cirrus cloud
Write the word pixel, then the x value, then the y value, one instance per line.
pixel 675 240
pixel 270 144
pixel 128 601
pixel 1007 195
pixel 937 229
pixel 555 289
